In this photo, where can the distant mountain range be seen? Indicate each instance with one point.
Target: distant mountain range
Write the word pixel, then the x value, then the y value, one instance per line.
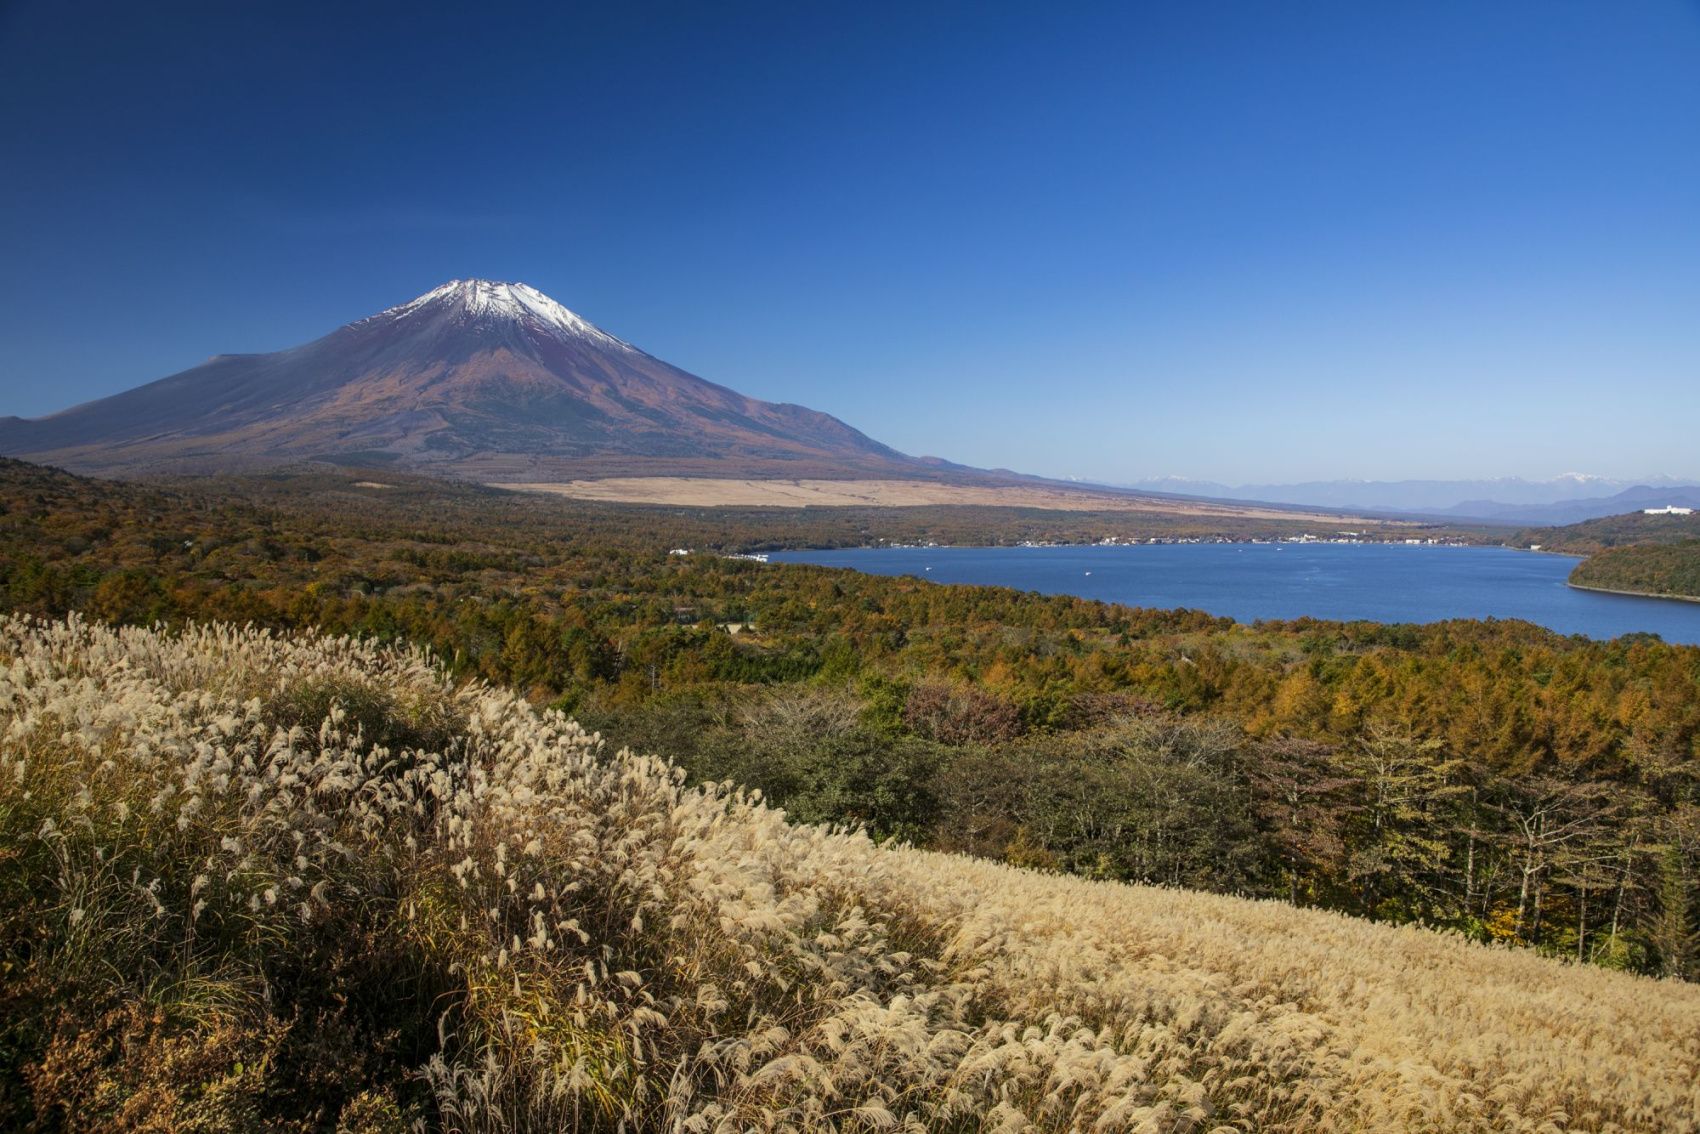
pixel 493 381
pixel 1566 499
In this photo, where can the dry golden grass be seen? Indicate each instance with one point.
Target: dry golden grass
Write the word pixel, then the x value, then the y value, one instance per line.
pixel 627 950
pixel 713 492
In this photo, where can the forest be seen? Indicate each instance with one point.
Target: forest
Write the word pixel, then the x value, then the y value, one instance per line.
pixel 1634 553
pixel 1671 569
pixel 1491 778
pixel 1628 529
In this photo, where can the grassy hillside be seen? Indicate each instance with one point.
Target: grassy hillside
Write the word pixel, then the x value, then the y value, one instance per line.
pixel 1492 777
pixel 256 881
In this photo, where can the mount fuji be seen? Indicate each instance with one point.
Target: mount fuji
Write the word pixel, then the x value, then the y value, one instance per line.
pixel 493 381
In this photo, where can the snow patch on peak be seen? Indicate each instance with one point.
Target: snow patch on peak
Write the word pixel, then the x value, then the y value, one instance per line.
pixel 488 299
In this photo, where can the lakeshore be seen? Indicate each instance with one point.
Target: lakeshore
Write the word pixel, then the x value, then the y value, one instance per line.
pixel 1634 594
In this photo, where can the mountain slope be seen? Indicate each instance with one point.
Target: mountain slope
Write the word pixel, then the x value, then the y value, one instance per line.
pixel 476 378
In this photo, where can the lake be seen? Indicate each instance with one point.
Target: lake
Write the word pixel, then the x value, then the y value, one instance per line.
pixel 1379 582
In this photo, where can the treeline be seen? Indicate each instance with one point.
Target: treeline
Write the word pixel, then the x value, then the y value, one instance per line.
pixel 1387 825
pixel 1490 776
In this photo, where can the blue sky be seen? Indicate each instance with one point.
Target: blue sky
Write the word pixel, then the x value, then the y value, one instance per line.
pixel 1236 241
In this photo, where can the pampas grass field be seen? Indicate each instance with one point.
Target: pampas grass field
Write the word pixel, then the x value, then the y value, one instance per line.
pixel 250 881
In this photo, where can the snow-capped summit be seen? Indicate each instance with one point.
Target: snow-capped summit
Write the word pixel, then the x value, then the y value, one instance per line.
pixel 476 378
pixel 489 299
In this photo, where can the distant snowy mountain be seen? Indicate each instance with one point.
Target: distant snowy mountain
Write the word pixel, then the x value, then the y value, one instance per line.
pixel 490 380
pixel 1575 511
pixel 1564 499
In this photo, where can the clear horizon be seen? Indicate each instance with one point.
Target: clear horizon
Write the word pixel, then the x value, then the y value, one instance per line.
pixel 1229 242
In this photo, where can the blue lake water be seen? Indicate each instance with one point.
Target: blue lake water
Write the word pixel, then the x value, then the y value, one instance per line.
pixel 1379 582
